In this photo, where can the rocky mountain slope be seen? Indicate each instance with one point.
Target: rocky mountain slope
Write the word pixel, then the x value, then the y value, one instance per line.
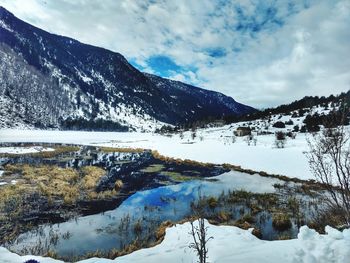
pixel 51 81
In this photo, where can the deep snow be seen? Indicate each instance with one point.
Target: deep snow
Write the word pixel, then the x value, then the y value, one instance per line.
pixel 231 244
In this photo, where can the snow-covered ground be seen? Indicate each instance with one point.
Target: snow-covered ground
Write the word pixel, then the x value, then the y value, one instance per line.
pixel 231 244
pixel 210 145
pixel 24 150
pixel 214 145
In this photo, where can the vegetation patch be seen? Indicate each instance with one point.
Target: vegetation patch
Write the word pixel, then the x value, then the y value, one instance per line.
pixel 281 221
pixel 56 182
pixel 271 212
pixel 153 168
pixel 121 150
pixel 46 188
pixel 58 150
pixel 176 176
pixel 51 187
pixel 53 181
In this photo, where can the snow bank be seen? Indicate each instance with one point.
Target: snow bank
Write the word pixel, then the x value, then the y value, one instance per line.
pixel 232 244
pixel 24 150
pixel 8 257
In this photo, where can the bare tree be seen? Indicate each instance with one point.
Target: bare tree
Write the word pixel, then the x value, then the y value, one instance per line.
pixel 200 239
pixel 329 160
pixel 181 135
pixel 233 138
pixel 193 134
pixel 199 231
pixel 250 139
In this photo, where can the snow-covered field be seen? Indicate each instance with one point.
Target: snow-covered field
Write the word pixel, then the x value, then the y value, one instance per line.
pixel 231 244
pixel 212 145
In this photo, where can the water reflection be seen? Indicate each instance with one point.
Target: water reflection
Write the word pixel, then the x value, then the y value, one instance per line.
pixel 117 228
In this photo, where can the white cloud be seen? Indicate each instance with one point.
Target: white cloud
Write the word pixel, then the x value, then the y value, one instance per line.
pixel 301 49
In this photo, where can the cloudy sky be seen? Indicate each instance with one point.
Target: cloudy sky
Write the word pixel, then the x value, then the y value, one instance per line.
pixel 262 53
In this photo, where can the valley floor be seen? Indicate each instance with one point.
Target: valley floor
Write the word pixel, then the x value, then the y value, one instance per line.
pixel 213 145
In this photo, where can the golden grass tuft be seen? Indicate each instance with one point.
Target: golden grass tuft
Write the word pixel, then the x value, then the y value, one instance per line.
pixel 54 181
pixel 281 221
pixel 118 185
pixel 160 233
pixel 91 176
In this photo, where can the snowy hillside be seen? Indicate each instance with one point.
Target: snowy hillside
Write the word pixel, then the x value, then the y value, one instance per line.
pixel 212 144
pixel 50 81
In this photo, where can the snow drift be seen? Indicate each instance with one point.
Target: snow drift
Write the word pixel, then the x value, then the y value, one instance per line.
pixel 231 244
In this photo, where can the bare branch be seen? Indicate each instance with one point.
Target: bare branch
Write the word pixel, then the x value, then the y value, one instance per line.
pixel 329 160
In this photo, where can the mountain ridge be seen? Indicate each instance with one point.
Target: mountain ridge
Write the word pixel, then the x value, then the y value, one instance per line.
pixel 88 84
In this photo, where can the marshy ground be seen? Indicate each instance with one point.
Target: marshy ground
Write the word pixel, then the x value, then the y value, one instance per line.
pixel 72 182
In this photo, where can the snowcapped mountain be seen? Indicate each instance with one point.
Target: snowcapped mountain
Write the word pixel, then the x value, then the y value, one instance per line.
pixel 51 81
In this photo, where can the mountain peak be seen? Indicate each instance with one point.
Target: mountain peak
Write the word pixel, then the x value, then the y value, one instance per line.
pixel 4 12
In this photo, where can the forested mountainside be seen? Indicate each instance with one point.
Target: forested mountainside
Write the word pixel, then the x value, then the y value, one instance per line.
pixel 51 81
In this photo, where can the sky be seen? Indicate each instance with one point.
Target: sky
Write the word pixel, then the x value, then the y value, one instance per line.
pixel 262 53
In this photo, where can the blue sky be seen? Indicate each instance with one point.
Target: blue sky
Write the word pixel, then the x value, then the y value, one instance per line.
pixel 262 53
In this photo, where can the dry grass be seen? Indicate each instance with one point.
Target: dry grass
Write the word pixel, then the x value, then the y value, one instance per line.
pixel 178 177
pixel 179 161
pixel 102 195
pixel 223 216
pixel 118 185
pixel 91 176
pixel 53 182
pixel 46 182
pixel 160 233
pixel 121 150
pixel 58 150
pixel 153 168
pixel 12 170
pixel 281 221
pixel 10 192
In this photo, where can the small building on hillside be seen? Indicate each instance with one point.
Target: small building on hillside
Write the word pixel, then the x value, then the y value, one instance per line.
pixel 242 131
pixel 218 123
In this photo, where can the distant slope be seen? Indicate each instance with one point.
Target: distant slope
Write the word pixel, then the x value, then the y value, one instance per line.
pixel 53 81
pixel 341 101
